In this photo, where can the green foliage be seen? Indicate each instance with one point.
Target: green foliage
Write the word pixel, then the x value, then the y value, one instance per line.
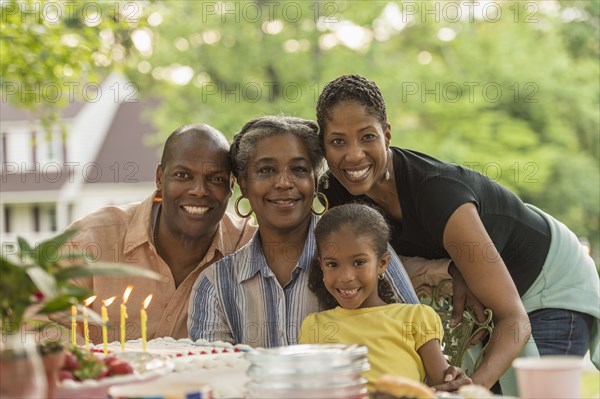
pixel 37 280
pixel 50 50
pixel 509 88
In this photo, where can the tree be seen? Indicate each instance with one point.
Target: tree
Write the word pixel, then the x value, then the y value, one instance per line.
pixel 500 87
pixel 56 53
pixel 508 88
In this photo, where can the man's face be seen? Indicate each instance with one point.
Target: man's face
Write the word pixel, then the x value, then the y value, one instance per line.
pixel 196 184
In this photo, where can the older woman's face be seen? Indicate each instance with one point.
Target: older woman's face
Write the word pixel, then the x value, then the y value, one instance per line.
pixel 280 183
pixel 356 147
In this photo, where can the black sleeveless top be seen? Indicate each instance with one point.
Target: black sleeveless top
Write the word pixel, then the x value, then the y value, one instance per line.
pixel 431 190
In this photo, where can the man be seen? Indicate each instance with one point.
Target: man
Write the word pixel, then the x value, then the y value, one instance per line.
pixel 177 232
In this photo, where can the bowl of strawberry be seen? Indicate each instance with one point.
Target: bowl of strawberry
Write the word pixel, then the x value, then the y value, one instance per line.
pixel 90 375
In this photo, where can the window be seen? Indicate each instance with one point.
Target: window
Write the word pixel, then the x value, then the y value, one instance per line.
pixel 36 218
pixel 7 215
pixel 4 152
pixel 34 148
pixel 52 217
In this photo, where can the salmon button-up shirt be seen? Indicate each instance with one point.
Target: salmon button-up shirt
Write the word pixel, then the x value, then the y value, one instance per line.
pixel 124 234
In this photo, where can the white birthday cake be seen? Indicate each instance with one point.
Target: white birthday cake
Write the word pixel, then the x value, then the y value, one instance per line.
pixel 220 365
pixel 187 354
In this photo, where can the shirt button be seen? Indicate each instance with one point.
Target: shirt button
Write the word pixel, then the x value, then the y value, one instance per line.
pixel 166 280
pixel 169 318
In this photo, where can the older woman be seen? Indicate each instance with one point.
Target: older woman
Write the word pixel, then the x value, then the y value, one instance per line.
pixel 515 259
pixel 259 295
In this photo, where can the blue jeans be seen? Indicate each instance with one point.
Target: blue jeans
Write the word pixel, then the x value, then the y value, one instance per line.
pixel 560 331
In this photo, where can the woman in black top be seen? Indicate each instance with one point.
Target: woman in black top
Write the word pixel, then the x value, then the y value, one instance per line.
pixel 499 245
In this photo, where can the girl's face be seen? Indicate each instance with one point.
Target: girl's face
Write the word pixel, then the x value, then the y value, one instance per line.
pixel 356 147
pixel 350 267
pixel 280 183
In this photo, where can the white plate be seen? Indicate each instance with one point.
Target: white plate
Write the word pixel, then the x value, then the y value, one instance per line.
pixel 147 367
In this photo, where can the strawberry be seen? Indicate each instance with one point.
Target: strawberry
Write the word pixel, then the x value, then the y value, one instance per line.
pixel 65 375
pixel 71 362
pixel 119 368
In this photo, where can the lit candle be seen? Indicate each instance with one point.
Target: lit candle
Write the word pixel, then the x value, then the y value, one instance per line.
pixel 144 319
pixel 124 315
pixel 105 304
pixel 86 330
pixel 73 325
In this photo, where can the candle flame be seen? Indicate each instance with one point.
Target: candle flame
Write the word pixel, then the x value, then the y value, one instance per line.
pixel 89 301
pixel 108 301
pixel 147 301
pixel 127 293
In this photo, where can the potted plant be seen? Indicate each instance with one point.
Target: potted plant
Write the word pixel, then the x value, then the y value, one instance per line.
pixel 37 280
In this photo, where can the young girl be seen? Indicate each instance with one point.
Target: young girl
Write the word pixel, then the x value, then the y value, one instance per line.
pixel 348 279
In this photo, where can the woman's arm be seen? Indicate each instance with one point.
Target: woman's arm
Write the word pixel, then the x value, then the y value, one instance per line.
pixel 487 277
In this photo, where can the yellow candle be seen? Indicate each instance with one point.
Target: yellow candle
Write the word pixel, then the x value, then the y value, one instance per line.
pixel 143 320
pixel 73 325
pixel 86 330
pixel 105 304
pixel 124 315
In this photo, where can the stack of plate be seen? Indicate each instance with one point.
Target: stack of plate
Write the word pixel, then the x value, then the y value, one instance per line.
pixel 308 371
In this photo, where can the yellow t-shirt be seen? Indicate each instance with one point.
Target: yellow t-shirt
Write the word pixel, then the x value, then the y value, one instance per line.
pixel 393 333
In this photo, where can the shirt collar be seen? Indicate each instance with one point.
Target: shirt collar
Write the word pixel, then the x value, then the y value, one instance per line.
pixel 256 261
pixel 139 230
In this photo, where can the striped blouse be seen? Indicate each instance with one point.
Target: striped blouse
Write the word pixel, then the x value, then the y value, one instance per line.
pixel 239 300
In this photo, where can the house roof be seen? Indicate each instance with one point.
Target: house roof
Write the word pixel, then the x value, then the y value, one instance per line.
pixel 50 179
pixel 123 156
pixel 10 113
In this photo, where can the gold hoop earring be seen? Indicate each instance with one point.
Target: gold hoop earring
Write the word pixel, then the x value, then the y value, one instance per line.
pixel 237 209
pixel 323 200
pixel 380 276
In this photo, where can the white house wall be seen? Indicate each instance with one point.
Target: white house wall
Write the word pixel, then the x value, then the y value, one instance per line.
pixel 95 196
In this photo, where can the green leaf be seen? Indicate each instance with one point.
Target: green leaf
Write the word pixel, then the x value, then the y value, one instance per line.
pixel 59 240
pixel 24 248
pixel 48 252
pixel 77 291
pixel 93 317
pixel 71 257
pixel 43 281
pixel 59 303
pixel 104 269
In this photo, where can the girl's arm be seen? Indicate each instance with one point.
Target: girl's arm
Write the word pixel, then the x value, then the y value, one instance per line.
pixel 440 375
pixel 486 275
pixel 434 362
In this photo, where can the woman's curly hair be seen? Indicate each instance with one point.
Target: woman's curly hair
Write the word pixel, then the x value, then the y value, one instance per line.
pixel 244 143
pixel 350 88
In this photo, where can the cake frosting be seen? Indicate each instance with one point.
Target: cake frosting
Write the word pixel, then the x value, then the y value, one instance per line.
pixel 177 360
pixel 176 347
pixel 187 354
